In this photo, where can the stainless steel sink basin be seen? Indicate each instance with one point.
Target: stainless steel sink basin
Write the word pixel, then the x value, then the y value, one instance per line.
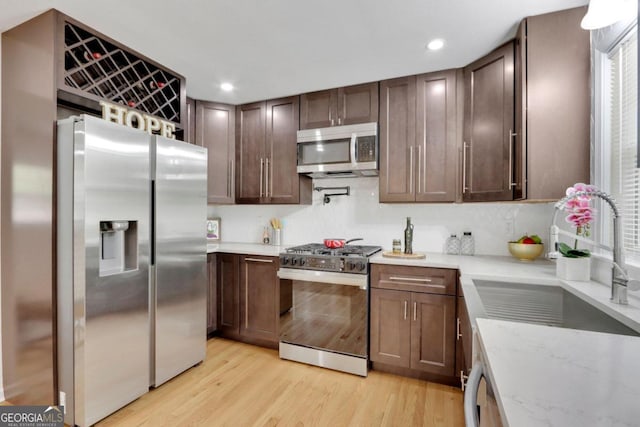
pixel 545 305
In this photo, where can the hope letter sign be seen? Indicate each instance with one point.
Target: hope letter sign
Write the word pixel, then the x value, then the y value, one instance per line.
pixel 134 119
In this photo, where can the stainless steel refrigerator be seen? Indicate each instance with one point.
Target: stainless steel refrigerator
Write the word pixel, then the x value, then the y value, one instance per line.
pixel 131 264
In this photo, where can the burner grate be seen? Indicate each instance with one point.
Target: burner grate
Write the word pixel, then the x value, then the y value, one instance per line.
pixel 320 249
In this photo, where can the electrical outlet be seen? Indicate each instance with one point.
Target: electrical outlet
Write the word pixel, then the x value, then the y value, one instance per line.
pixel 509 228
pixel 63 401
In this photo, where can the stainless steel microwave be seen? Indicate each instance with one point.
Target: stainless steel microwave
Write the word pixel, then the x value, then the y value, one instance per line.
pixel 339 151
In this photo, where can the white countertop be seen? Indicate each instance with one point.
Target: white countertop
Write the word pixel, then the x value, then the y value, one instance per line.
pixel 245 248
pixel 478 265
pixel 546 376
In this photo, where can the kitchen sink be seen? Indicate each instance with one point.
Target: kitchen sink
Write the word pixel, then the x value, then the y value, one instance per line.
pixel 545 305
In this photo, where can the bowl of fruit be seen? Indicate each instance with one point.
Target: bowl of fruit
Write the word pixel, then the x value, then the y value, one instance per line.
pixel 526 248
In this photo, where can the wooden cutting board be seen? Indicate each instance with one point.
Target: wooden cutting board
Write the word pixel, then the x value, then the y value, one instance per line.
pixel 415 255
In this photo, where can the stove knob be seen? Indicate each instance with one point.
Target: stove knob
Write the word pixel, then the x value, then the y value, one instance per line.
pixel 302 261
pixel 284 260
pixel 294 261
pixel 350 266
pixel 360 266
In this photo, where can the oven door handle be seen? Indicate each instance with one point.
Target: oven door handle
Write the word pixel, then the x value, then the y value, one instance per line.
pixel 347 279
pixel 471 418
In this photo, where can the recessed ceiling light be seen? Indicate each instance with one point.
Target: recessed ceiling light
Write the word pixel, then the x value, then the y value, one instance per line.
pixel 227 87
pixel 435 44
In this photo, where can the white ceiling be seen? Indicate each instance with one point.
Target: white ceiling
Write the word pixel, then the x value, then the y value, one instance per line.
pixel 273 48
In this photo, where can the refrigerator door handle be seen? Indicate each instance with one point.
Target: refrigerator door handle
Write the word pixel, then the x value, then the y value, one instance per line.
pixel 152 240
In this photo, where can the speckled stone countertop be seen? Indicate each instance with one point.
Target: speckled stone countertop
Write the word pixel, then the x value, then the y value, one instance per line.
pixel 245 248
pixel 545 376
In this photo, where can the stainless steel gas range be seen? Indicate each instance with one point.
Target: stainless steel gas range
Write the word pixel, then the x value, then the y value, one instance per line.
pixel 326 294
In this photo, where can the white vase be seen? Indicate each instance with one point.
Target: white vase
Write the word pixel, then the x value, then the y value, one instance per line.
pixel 578 269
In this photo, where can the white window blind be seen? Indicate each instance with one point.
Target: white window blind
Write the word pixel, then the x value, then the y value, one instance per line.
pixel 622 119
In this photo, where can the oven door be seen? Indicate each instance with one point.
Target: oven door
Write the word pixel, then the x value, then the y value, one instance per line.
pixel 327 311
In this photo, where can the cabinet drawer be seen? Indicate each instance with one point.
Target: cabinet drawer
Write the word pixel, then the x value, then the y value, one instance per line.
pixel 414 279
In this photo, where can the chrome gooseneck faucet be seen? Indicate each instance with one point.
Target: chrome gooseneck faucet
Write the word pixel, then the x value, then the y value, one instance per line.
pixel 619 276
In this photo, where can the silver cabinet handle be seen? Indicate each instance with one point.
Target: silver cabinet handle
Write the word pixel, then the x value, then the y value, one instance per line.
pixel 458 334
pixel 419 168
pixel 266 177
pixel 463 380
pixel 415 311
pixel 261 174
pixel 409 279
pixel 330 117
pixel 405 310
pixel 339 120
pixel 259 260
pixel 229 175
pixel 464 167
pixel 471 396
pixel 231 178
pixel 411 169
pixel 512 134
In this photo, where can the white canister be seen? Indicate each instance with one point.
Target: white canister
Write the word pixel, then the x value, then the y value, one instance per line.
pixel 577 269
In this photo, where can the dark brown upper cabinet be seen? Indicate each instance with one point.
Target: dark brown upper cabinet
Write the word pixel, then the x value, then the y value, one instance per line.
pixel 552 104
pixel 418 144
pixel 489 127
pixel 266 154
pixel 436 140
pixel 397 139
pixel 341 106
pixel 215 130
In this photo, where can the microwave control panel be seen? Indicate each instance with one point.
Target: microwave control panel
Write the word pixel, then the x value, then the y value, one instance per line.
pixel 366 149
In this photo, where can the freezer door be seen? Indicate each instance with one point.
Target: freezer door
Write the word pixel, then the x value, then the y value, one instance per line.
pixel 109 335
pixel 180 214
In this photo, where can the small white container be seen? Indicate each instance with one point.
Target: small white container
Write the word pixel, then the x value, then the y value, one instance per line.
pixel 577 269
pixel 452 245
pixel 467 244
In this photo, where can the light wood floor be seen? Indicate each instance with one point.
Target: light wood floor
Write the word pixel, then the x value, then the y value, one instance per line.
pixel 244 385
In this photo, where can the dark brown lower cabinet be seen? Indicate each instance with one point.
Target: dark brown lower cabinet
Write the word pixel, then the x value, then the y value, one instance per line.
pixel 413 321
pixel 390 327
pixel 212 295
pixel 463 342
pixel 228 294
pixel 413 330
pixel 259 298
pixel 248 298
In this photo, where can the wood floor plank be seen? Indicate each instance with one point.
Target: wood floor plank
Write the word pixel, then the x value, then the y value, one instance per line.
pixel 244 385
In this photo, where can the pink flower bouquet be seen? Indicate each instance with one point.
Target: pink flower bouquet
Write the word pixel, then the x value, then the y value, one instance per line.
pixel 580 215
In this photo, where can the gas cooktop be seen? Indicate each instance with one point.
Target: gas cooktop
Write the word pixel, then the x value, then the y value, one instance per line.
pixel 315 256
pixel 320 249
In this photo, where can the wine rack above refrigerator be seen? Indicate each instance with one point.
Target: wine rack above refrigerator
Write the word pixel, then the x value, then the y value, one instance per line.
pixel 98 68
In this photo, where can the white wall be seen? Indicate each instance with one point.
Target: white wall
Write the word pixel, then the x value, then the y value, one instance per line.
pixel 360 215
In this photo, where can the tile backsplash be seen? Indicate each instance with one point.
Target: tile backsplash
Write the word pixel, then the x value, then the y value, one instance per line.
pixel 360 215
